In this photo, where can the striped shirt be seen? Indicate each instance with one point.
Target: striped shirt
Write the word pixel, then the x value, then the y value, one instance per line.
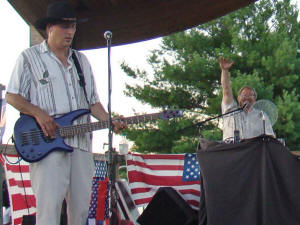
pixel 248 124
pixel 41 78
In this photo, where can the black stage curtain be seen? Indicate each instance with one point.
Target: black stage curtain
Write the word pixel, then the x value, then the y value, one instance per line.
pixel 255 182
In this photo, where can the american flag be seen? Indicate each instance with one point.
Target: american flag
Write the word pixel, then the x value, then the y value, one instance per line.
pixel 98 212
pixel 146 173
pixel 21 197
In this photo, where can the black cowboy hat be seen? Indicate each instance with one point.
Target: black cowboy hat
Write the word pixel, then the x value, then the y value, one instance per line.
pixel 58 12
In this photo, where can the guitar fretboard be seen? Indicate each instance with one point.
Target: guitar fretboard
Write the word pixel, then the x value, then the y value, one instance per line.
pixel 69 131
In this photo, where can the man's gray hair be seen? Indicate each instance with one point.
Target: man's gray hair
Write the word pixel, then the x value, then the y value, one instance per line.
pixel 250 88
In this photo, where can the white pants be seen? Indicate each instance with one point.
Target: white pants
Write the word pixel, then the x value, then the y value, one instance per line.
pixel 62 175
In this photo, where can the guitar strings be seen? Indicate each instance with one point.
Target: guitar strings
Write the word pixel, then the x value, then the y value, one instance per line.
pixel 38 134
pixel 71 128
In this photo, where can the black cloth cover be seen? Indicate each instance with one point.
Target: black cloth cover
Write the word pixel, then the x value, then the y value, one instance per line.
pixel 255 182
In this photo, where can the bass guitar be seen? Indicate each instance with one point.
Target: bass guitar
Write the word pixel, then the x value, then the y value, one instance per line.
pixel 32 145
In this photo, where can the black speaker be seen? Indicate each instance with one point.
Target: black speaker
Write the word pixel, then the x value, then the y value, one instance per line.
pixel 28 220
pixel 167 207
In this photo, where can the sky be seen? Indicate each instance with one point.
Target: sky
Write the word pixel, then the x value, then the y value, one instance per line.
pixel 14 39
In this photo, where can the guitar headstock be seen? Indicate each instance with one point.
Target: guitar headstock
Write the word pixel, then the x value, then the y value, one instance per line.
pixel 172 113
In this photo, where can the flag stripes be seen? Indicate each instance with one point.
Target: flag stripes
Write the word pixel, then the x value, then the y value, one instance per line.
pixel 22 199
pixel 21 196
pixel 146 173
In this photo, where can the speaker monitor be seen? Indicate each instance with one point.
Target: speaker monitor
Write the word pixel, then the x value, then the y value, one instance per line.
pixel 167 207
pixel 28 220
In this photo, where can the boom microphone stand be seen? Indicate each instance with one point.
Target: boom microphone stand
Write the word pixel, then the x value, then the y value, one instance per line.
pixel 201 123
pixel 111 163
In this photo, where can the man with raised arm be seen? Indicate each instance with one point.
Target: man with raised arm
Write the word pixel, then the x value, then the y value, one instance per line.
pixel 249 122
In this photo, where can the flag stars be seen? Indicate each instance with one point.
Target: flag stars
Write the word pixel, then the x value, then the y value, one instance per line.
pixel 100 174
pixel 191 171
pixel 100 170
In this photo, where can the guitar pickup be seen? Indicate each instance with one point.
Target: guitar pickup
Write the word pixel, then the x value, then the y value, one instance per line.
pixel 24 139
pixel 35 137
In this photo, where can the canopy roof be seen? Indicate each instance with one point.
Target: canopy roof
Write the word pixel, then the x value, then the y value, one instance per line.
pixel 132 20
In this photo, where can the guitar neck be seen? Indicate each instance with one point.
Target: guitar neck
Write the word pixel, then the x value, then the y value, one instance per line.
pixel 70 131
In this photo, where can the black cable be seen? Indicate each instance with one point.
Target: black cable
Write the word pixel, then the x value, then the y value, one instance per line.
pixel 27 205
pixel 4 154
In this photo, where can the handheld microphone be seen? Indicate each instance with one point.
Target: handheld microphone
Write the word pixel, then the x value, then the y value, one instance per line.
pixel 107 35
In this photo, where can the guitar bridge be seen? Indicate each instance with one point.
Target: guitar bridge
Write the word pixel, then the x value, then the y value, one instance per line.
pixel 47 139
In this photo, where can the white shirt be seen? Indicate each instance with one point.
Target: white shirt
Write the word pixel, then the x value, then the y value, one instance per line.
pixel 6 212
pixel 248 124
pixel 41 78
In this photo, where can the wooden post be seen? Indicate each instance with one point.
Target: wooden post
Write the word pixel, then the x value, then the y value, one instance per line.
pixel 35 36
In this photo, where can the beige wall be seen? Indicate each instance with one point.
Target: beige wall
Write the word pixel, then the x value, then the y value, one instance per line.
pixel 35 36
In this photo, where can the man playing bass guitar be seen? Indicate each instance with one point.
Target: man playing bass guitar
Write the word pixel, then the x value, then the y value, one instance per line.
pixel 45 83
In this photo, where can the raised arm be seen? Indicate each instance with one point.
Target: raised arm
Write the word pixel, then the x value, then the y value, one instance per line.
pixel 225 65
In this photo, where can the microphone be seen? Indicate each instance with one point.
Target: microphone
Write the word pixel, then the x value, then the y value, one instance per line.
pixel 107 35
pixel 245 105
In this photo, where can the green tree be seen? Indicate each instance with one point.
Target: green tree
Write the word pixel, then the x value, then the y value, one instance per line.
pixel 263 41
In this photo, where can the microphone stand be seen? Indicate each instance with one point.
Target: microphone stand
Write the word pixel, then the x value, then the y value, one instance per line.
pixel 264 122
pixel 111 161
pixel 199 124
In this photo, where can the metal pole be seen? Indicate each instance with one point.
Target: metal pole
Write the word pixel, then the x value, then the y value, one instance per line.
pixel 111 155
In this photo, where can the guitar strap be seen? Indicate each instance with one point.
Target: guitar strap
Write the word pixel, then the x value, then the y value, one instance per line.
pixel 80 75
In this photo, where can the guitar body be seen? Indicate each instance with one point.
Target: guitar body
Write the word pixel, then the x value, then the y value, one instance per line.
pixel 30 142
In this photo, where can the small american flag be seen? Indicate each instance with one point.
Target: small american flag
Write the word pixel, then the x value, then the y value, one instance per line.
pixel 146 173
pixel 21 196
pixel 98 212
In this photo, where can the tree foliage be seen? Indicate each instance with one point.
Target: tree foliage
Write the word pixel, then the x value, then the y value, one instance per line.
pixel 263 41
